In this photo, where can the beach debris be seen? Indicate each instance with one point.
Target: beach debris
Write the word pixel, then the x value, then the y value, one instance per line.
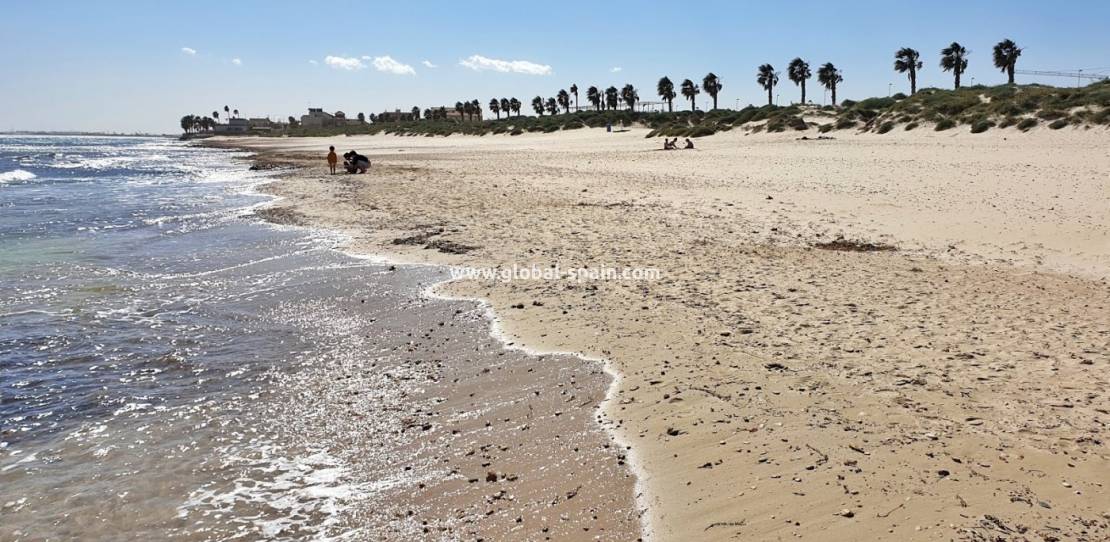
pixel 449 247
pixel 847 513
pixel 841 244
pixel 740 523
pixel 418 239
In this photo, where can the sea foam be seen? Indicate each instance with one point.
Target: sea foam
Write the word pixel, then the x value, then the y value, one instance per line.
pixel 19 175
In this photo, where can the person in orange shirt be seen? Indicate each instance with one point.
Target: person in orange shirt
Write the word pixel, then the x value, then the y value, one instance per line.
pixel 333 159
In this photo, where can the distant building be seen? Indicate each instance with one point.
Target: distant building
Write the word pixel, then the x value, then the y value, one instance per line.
pixel 262 125
pixel 317 118
pixel 234 126
pixel 396 116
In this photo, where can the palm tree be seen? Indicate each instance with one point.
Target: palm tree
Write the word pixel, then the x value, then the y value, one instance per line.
pixel 711 84
pixel 292 121
pixel 236 113
pixel 768 78
pixel 907 60
pixel 537 104
pixel 552 106
pixel 665 89
pixel 594 97
pixel 564 100
pixel 690 91
pixel 362 117
pixel 574 91
pixel 629 95
pixel 1006 53
pixel 476 108
pixel 216 115
pixel 468 108
pixel 954 59
pixel 611 97
pixel 829 76
pixel 495 106
pixel 514 104
pixel 415 113
pixel 506 106
pixel 227 112
pixel 798 72
pixel 187 123
pixel 460 108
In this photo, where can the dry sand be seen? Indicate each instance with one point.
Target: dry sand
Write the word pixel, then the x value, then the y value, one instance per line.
pixel 955 388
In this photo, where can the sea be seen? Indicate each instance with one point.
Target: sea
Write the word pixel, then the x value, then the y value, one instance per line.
pixel 165 356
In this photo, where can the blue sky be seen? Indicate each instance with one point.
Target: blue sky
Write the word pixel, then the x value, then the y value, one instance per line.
pixel 123 65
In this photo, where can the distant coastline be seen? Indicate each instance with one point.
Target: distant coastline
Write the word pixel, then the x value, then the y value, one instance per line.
pixel 81 133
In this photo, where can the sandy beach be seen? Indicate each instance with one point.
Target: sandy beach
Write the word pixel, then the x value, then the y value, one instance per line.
pixel 900 336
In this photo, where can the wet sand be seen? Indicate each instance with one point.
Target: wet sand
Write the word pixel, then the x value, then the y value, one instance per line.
pixel 449 434
pixel 953 388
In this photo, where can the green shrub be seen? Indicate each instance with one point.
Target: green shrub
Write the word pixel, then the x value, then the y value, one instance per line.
pixel 886 127
pixel 844 124
pixel 877 103
pixel 1026 124
pixel 945 124
pixel 911 126
pixel 700 131
pixel 981 126
pixel 1051 114
pixel 1008 122
pixel 825 128
pixel 1058 123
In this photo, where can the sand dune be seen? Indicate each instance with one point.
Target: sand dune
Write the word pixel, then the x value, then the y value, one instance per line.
pixel 954 388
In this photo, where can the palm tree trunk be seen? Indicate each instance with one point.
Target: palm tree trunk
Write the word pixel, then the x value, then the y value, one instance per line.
pixel 714 101
pixel 803 91
pixel 1010 72
pixel 913 83
pixel 670 105
pixel 834 95
pixel 769 100
pixel 957 79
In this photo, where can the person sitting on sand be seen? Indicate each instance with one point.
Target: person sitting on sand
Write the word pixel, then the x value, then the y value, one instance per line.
pixel 669 145
pixel 333 159
pixel 689 144
pixel 355 162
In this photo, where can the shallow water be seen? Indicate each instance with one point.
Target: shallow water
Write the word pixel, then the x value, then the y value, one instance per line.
pixel 147 324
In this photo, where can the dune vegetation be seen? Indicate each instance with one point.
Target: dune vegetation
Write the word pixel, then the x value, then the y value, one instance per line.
pixel 976 109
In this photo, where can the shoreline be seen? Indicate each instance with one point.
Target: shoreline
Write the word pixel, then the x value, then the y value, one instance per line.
pixel 535 332
pixel 494 324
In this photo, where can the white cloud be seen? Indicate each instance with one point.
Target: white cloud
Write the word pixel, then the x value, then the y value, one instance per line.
pixel 344 63
pixel 428 64
pixel 237 61
pixel 387 64
pixel 189 51
pixel 481 63
pixel 615 69
pixel 313 62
